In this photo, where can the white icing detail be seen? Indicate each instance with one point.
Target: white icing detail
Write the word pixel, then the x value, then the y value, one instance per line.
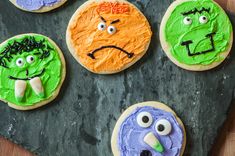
pixel 111 30
pixel 36 84
pixel 20 87
pixel 30 59
pixel 151 140
pixel 101 26
pixel 167 127
pixel 187 21
pixel 203 19
pixel 19 62
pixel 143 115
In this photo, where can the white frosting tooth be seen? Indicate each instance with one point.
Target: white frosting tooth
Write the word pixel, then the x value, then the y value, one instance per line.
pixel 153 142
pixel 37 86
pixel 20 87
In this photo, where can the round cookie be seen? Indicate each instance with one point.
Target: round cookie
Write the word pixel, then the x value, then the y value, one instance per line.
pixel 38 6
pixel 196 35
pixel 32 70
pixel 148 128
pixel 108 36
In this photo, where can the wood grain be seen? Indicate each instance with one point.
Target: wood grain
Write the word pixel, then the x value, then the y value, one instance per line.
pixel 225 145
pixel 7 148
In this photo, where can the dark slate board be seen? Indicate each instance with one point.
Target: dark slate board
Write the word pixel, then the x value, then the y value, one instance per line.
pixel 80 121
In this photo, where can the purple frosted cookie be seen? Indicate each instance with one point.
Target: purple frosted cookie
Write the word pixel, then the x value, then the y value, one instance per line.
pixel 38 5
pixel 148 129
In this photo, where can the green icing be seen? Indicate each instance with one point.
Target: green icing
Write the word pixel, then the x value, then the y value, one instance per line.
pixel 46 57
pixel 159 148
pixel 176 32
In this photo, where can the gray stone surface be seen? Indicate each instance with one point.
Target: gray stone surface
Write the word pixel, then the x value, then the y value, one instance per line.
pixel 80 121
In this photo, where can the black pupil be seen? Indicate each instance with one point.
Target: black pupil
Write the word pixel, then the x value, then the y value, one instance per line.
pixel 111 29
pixel 19 61
pixel 160 128
pixel 188 19
pixel 31 58
pixel 204 18
pixel 145 119
pixel 102 26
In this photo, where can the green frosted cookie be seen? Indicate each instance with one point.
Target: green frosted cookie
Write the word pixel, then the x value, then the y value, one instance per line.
pixel 196 34
pixel 32 70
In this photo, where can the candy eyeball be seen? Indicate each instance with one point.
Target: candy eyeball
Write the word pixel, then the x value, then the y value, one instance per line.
pixel 203 19
pixel 111 29
pixel 101 26
pixel 187 21
pixel 163 127
pixel 30 59
pixel 144 119
pixel 19 62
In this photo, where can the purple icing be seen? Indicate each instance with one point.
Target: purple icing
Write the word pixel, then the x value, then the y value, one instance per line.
pixel 130 139
pixel 35 4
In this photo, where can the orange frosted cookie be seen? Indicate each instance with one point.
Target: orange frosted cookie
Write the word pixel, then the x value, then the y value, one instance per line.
pixel 108 36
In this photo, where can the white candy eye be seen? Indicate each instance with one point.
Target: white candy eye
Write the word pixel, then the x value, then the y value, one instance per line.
pixel 203 19
pixel 111 29
pixel 187 21
pixel 163 127
pixel 144 119
pixel 19 62
pixel 101 26
pixel 30 59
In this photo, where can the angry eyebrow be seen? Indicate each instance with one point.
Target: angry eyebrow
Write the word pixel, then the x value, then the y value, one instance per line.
pixel 102 18
pixel 116 21
pixel 196 11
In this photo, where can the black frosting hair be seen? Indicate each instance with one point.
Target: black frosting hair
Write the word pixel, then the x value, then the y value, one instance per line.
pixel 27 44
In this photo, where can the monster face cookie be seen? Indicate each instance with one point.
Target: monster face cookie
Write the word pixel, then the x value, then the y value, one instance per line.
pixel 196 34
pixel 32 70
pixel 38 5
pixel 148 129
pixel 108 36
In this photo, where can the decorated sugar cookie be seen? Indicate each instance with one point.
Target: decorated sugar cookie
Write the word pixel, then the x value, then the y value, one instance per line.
pixel 196 34
pixel 148 129
pixel 38 5
pixel 32 70
pixel 108 36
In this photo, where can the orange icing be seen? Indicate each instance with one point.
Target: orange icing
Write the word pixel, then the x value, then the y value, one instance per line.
pixel 115 8
pixel 133 35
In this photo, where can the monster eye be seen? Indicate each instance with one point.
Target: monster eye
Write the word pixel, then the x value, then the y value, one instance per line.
pixel 19 62
pixel 30 59
pixel 101 26
pixel 144 119
pixel 111 29
pixel 203 19
pixel 187 21
pixel 163 127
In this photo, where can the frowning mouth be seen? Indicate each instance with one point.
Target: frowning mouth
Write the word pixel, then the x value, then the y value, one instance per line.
pixel 91 54
pixel 28 78
pixel 187 43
